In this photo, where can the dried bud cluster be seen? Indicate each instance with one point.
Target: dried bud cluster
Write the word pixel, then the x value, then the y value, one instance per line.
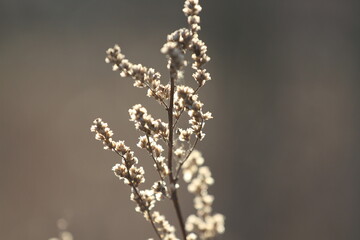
pixel 132 176
pixel 103 133
pixel 166 231
pixel 192 10
pixel 160 190
pixel 198 47
pixel 175 48
pixel 191 236
pixel 176 57
pixel 201 76
pixel 155 150
pixel 144 122
pixel 150 145
pixel 191 166
pixel 184 135
pixel 176 100
pixel 143 76
pixel 182 38
pixel 145 200
pixel 154 130
pixel 127 170
pixel 187 100
pixel 203 223
pixel 199 55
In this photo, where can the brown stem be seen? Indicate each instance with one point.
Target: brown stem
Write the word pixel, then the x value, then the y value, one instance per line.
pixel 175 201
pixel 174 196
pixel 170 117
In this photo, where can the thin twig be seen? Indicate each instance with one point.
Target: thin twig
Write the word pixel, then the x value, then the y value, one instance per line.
pixel 170 118
pixel 154 92
pixel 152 156
pixel 177 119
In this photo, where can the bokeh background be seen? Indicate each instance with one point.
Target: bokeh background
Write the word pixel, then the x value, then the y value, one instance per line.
pixel 284 146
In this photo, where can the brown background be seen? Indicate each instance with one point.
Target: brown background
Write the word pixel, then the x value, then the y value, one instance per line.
pixel 283 147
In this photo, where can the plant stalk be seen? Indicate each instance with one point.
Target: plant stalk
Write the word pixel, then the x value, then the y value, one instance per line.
pixel 174 196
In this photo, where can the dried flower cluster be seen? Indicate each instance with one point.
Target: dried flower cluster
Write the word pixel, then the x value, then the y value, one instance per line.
pixel 199 178
pixel 171 148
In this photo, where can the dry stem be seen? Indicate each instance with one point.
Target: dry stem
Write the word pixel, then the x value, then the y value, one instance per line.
pixel 174 196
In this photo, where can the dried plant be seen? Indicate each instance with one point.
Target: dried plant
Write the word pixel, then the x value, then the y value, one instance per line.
pixel 171 148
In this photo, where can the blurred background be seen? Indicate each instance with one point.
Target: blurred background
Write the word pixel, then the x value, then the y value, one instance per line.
pixel 284 146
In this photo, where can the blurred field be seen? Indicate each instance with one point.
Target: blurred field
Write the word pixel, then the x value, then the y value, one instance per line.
pixel 284 145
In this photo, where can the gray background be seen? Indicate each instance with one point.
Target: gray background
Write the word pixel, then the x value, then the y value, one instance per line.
pixel 283 147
